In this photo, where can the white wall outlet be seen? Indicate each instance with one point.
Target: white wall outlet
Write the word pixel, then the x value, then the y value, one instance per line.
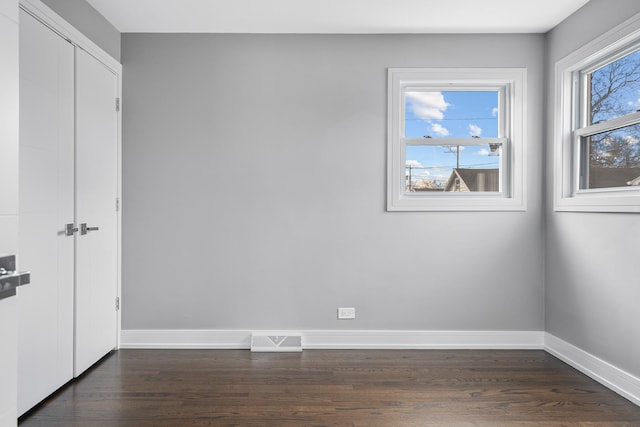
pixel 346 313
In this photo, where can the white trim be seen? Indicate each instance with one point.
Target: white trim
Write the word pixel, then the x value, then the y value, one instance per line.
pixel 59 25
pixel 514 80
pixel 612 377
pixel 333 339
pixel 423 340
pixel 567 197
pixel 608 125
pixel 185 339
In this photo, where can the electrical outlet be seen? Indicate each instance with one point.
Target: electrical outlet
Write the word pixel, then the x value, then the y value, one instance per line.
pixel 346 313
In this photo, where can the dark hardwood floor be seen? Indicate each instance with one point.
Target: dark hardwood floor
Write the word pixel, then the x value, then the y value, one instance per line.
pixel 334 388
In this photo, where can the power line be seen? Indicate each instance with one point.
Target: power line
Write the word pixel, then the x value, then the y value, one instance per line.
pixel 451 119
pixel 468 166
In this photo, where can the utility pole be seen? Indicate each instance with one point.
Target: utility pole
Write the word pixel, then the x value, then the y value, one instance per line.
pixel 450 149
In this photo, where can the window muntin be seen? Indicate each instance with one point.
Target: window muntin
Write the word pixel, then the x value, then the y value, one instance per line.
pixel 608 136
pixel 430 134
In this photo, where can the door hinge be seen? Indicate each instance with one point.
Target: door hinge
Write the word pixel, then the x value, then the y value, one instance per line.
pixel 117 104
pixel 117 204
pixel 117 303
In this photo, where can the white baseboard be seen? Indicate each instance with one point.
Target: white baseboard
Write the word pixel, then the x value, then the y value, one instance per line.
pixel 185 339
pixel 423 339
pixel 334 339
pixel 605 373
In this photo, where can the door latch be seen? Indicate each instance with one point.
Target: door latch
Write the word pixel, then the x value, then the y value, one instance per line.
pixel 84 229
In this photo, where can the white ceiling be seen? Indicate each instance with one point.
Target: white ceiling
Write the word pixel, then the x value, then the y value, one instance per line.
pixel 336 16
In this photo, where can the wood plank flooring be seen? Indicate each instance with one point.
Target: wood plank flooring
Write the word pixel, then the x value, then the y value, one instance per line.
pixel 461 388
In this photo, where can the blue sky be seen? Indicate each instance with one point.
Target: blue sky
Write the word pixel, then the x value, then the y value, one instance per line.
pixel 625 100
pixel 453 114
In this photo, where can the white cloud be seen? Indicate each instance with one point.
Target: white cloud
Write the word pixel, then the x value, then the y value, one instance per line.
pixel 631 140
pixel 414 164
pixel 439 130
pixel 427 105
pixel 494 112
pixel 634 104
pixel 483 152
pixel 475 130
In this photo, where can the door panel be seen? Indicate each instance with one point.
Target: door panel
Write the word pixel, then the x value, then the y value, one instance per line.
pixel 46 185
pixel 96 192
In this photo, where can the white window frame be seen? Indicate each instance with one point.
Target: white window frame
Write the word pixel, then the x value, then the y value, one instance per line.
pixel 511 85
pixel 570 124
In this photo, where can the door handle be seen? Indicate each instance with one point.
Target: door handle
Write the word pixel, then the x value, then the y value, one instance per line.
pixel 84 229
pixel 69 229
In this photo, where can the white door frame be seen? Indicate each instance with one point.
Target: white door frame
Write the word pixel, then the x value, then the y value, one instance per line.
pixel 54 21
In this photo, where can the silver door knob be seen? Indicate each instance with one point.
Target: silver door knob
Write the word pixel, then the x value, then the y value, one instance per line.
pixel 69 229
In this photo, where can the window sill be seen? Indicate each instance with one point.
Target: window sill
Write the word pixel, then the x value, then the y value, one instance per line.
pixel 454 202
pixel 610 201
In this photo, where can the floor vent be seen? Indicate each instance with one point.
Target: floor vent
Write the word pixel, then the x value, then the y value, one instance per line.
pixel 270 342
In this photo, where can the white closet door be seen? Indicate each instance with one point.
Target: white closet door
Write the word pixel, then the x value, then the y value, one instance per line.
pixel 96 192
pixel 46 182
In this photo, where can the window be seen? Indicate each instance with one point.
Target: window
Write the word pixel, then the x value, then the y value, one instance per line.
pixel 598 134
pixel 456 139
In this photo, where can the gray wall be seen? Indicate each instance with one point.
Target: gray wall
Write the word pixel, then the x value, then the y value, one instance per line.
pixel 592 269
pixel 89 22
pixel 254 190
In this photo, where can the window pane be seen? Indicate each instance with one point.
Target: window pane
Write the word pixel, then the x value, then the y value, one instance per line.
pixel 615 89
pixel 453 114
pixel 463 168
pixel 611 159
